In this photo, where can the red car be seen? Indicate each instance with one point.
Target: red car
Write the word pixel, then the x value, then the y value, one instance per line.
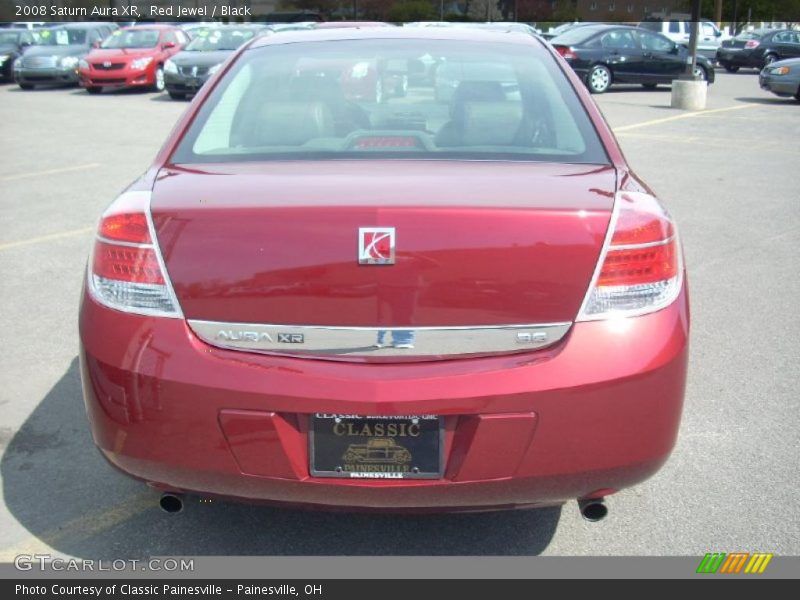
pixel 314 301
pixel 133 57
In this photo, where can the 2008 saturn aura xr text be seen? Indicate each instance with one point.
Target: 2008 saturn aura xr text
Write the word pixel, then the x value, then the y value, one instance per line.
pixel 339 287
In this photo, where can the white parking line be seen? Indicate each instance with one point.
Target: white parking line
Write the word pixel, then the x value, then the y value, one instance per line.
pixel 46 238
pixel 49 172
pixel 686 115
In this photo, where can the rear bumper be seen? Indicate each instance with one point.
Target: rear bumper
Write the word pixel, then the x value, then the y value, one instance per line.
pixel 595 414
pixel 739 58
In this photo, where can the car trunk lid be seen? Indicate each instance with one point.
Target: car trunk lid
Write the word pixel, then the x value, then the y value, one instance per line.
pixel 478 243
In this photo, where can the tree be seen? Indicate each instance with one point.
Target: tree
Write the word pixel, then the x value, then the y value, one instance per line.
pixel 405 11
pixel 484 10
pixel 759 10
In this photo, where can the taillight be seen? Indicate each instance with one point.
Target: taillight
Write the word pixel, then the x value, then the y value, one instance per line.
pixel 750 44
pixel 641 266
pixel 566 52
pixel 125 271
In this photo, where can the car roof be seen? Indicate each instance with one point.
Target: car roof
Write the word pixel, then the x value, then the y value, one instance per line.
pixel 466 34
pixel 346 24
pixel 77 26
pixel 152 26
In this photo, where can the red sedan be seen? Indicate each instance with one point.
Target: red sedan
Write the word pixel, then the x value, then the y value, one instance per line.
pixel 133 57
pixel 423 304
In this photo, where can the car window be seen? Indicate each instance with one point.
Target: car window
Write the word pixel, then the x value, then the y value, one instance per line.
pixel 655 43
pixel 132 38
pixel 708 29
pixel 400 98
pixel 620 38
pixel 228 38
pixel 674 27
pixel 10 37
pixel 62 37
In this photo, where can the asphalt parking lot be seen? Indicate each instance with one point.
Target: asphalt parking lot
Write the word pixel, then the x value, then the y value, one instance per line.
pixel 728 174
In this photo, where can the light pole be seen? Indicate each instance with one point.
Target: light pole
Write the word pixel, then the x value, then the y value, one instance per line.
pixel 691 61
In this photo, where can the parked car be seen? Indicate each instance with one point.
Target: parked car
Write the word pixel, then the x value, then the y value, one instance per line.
pixel 188 70
pixel 25 24
pixel 13 42
pixel 758 48
pixel 782 78
pixel 502 26
pixel 603 55
pixel 54 59
pixel 350 24
pixel 708 39
pixel 131 57
pixel 236 291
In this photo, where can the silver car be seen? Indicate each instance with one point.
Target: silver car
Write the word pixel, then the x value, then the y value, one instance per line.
pixel 782 78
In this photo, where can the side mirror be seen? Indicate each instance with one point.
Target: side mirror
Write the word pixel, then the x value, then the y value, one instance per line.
pixel 676 49
pixel 97 44
pixel 168 45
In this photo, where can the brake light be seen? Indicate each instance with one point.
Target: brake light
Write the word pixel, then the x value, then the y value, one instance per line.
pixel 641 265
pixel 750 44
pixel 386 141
pixel 567 52
pixel 125 271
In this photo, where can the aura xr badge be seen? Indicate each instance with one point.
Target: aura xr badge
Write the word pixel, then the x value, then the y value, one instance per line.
pixel 376 245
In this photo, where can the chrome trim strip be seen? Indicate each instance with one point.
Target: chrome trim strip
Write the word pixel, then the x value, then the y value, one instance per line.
pixel 105 240
pixel 643 246
pixel 612 223
pixel 178 314
pixel 357 343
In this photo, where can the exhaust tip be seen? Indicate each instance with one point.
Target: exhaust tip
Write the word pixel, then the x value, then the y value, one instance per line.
pixel 171 503
pixel 593 510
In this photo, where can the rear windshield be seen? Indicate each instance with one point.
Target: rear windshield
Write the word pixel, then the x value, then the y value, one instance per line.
pixel 399 98
pixel 9 37
pixel 208 40
pixel 576 35
pixel 651 25
pixel 749 35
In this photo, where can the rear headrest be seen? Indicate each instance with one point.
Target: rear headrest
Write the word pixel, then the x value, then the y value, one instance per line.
pixel 316 88
pixel 491 123
pixel 291 124
pixel 474 91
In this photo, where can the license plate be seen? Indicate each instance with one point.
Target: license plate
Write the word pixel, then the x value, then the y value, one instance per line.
pixel 380 447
